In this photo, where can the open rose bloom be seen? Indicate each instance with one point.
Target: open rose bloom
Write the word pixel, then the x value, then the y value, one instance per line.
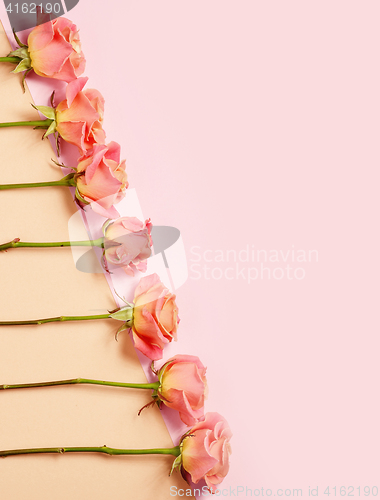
pixel 205 451
pixel 101 179
pixel 55 50
pixel 79 117
pixel 155 317
pixel 183 387
pixel 128 244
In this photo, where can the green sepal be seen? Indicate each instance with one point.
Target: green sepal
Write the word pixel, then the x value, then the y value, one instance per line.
pixel 105 225
pixel 23 79
pixel 121 329
pixel 123 299
pixel 79 197
pixel 25 63
pixel 69 177
pixel 57 143
pixel 23 66
pixel 61 165
pixel 51 129
pixel 161 371
pixel 124 314
pixel 187 434
pixel 18 41
pixel 46 111
pixel 22 53
pixel 177 463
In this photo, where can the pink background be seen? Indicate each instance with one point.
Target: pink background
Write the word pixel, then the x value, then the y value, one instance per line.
pixel 256 123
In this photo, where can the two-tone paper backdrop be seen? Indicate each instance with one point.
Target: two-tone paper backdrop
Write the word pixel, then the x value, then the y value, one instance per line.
pixel 253 127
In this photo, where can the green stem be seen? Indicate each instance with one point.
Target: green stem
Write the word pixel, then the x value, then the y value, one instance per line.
pixel 15 60
pixel 38 123
pixel 153 385
pixel 16 243
pixel 102 449
pixel 63 182
pixel 52 320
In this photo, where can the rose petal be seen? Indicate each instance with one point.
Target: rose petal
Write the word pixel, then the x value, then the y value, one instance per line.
pixel 73 89
pixel 178 401
pixel 145 326
pixel 146 283
pixel 105 212
pixel 72 132
pixel 114 151
pixel 151 351
pixel 51 59
pixel 195 459
pixel 40 36
pixel 184 377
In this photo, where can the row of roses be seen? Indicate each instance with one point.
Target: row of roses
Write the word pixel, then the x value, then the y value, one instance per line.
pixel 54 51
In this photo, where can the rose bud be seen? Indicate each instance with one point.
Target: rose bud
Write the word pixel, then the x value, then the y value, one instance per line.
pixel 101 179
pixel 79 117
pixel 183 387
pixel 53 50
pixel 205 451
pixel 127 244
pixel 155 317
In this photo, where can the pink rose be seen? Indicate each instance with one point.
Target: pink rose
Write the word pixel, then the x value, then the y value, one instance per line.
pixel 155 317
pixel 128 243
pixel 55 50
pixel 79 117
pixel 101 180
pixel 183 387
pixel 205 451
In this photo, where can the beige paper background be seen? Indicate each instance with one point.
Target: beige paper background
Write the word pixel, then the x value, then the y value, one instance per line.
pixel 42 283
